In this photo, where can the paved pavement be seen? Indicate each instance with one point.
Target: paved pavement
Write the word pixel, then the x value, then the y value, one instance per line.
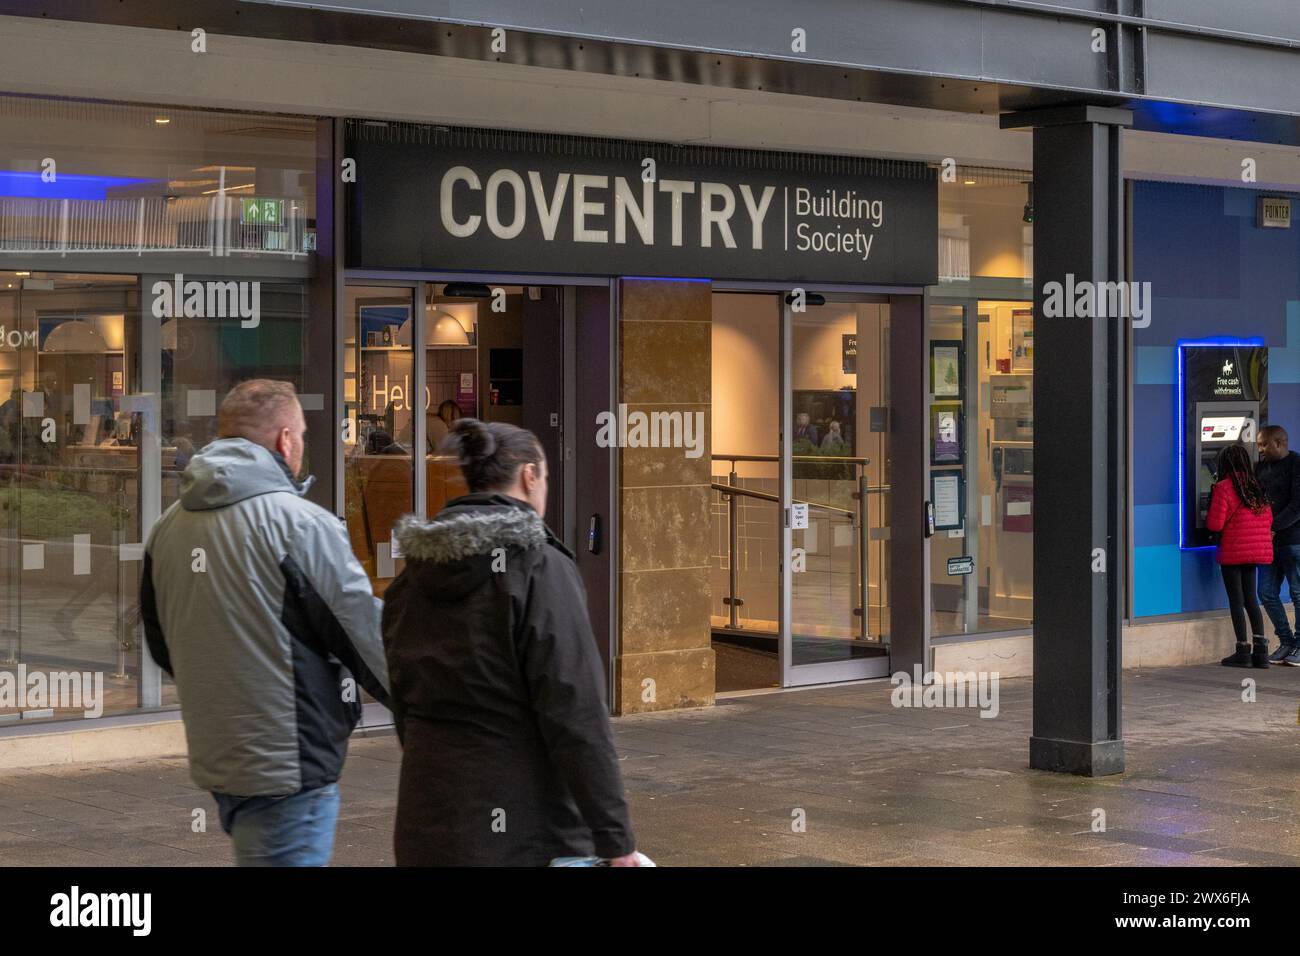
pixel 1211 780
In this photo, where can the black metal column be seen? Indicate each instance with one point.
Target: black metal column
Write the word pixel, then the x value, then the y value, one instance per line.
pixel 1079 441
pixel 909 549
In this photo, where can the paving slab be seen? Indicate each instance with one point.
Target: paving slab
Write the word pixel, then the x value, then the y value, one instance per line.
pixel 1210 781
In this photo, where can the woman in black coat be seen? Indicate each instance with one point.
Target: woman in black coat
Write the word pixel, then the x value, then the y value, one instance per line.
pixel 497 687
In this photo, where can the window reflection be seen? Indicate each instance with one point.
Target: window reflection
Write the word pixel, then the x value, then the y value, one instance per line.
pixel 379 436
pixel 105 396
pixel 69 485
pixel 992 452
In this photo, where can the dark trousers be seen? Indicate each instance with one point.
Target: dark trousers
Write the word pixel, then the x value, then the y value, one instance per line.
pixel 1285 567
pixel 1239 579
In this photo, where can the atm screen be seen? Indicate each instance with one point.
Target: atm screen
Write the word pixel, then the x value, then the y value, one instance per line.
pixel 1224 428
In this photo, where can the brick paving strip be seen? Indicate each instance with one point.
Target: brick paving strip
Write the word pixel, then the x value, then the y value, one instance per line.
pixel 1211 780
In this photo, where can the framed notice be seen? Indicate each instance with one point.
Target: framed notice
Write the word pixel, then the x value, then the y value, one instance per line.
pixel 945 368
pixel 1022 340
pixel 945 433
pixel 948 497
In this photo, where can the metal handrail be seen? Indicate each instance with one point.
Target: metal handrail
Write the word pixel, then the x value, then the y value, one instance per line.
pixel 765 496
pixel 859 518
pixel 834 459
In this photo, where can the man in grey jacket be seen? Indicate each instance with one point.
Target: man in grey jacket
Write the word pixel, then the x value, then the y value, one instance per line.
pixel 252 600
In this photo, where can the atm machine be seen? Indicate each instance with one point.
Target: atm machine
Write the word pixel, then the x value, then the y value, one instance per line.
pixel 1223 400
pixel 1218 425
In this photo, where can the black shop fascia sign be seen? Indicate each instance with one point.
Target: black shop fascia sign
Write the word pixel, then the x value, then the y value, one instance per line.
pixel 452 199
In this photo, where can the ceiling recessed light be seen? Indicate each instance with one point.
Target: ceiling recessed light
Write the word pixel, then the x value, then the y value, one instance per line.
pixel 968 182
pixel 162 120
pixel 22 273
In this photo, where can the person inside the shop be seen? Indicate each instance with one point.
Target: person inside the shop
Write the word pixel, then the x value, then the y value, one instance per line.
pixel 1241 516
pixel 440 424
pixel 833 439
pixel 805 429
pixel 498 688
pixel 1278 470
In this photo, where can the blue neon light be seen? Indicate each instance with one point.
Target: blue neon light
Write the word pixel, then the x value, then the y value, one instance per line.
pixel 1219 342
pixel 65 185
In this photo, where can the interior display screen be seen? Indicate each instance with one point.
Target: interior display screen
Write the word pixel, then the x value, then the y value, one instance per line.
pixel 1227 429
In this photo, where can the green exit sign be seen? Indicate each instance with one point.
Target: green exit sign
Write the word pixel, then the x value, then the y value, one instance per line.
pixel 261 212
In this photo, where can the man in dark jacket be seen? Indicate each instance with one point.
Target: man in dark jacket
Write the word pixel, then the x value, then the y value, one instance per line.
pixel 1278 471
pixel 498 690
pixel 252 600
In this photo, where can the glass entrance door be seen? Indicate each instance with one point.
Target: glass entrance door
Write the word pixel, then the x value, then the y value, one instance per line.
pixel 835 490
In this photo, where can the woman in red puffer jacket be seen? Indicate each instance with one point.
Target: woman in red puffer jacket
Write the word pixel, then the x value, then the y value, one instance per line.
pixel 1239 509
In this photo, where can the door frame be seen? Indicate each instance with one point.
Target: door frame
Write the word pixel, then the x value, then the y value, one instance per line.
pixel 417 281
pixel 901 442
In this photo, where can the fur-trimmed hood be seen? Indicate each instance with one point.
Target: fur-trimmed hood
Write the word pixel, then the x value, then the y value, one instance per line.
pixel 468 527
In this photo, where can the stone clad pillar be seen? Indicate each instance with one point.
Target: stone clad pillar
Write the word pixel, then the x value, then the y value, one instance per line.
pixel 664 658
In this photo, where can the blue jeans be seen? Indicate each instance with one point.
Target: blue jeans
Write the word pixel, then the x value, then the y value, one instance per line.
pixel 297 830
pixel 1286 564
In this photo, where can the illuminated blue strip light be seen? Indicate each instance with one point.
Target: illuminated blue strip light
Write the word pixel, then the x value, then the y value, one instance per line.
pixel 1222 342
pixel 65 185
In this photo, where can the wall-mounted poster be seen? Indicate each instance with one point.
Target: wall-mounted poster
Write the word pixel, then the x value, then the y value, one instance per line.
pixel 945 433
pixel 467 394
pixel 945 368
pixel 947 496
pixel 1022 340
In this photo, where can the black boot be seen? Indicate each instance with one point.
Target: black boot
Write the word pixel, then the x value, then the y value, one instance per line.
pixel 1259 652
pixel 1239 658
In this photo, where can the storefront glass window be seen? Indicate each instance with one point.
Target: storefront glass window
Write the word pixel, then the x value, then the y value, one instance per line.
pixel 981 466
pixel 384 398
pixel 378 377
pixel 981 405
pixel 986 226
pixel 150 259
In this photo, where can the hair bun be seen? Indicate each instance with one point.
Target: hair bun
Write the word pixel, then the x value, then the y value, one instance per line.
pixel 474 439
pixel 490 454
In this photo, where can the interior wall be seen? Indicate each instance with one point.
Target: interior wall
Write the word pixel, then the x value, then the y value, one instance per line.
pixel 746 377
pixel 499 330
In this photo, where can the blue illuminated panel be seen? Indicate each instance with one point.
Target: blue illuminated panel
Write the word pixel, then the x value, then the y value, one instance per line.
pixel 64 186
pixel 1181 399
